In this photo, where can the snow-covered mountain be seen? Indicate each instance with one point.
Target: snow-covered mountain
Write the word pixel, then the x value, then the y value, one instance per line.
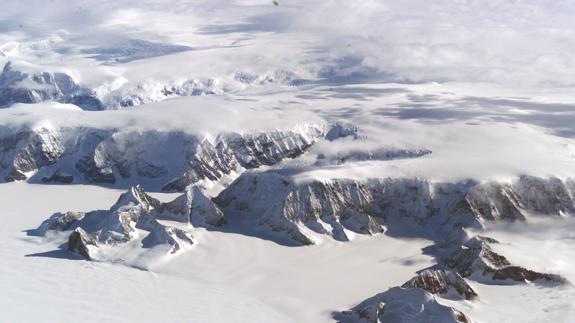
pixel 173 159
pixel 287 161
pixel 135 216
pixel 305 209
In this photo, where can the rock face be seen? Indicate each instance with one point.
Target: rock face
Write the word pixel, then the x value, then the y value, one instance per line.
pixel 25 87
pixel 172 160
pixel 476 258
pixel 442 282
pixel 59 222
pixel 303 210
pixel 79 241
pixel 438 211
pixel 213 159
pixel 193 206
pixel 525 196
pixel 135 210
pixel 400 305
pixel 26 151
pixel 59 177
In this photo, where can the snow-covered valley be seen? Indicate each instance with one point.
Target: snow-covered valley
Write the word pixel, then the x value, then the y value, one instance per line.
pixel 287 161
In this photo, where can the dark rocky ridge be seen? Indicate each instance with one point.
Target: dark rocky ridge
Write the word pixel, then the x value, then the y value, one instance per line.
pixel 436 211
pixel 402 305
pixel 439 281
pixel 168 160
pixel 476 257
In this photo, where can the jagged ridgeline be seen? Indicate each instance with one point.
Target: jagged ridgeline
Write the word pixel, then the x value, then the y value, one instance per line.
pixel 24 83
pixel 160 160
pixel 310 211
pixel 136 216
pixel 284 205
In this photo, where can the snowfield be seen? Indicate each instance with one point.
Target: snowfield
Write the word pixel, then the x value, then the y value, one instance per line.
pixel 287 161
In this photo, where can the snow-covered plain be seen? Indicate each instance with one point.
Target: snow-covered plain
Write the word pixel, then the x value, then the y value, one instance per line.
pixel 303 101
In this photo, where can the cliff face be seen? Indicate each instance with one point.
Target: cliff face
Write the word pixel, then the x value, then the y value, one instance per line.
pixel 27 151
pixel 170 160
pixel 308 209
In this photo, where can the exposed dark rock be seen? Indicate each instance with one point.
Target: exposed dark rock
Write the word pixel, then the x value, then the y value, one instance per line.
pixel 193 207
pixel 161 234
pixel 136 210
pixel 95 173
pixel 176 158
pixel 399 305
pixel 79 240
pixel 59 177
pixel 15 176
pixel 477 257
pixel 441 281
pixel 545 196
pixel 494 201
pixel 227 153
pixel 59 222
pixel 517 273
pixel 437 211
pixel 300 210
pixel 28 150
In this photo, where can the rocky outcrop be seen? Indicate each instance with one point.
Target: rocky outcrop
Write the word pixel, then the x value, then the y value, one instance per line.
pixel 402 305
pixel 442 282
pixel 193 207
pixel 169 160
pixel 135 211
pixel 477 259
pixel 527 195
pixel 29 150
pixel 213 159
pixel 59 176
pixel 59 222
pixel 18 86
pixel 79 241
pixel 305 209
pixel 163 235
